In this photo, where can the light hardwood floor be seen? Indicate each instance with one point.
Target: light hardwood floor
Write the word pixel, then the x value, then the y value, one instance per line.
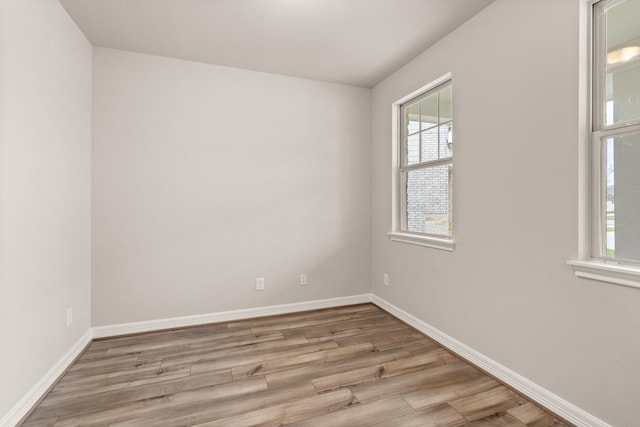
pixel 347 366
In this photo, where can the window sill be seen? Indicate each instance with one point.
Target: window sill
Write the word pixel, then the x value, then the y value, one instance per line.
pixel 441 243
pixel 618 274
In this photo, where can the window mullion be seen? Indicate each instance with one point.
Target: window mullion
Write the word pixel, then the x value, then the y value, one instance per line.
pixel 600 198
pixel 423 165
pixel 420 134
pixel 618 129
pixel 403 199
pixel 597 66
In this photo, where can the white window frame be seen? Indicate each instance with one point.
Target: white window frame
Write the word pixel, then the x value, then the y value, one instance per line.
pixel 591 264
pixel 397 233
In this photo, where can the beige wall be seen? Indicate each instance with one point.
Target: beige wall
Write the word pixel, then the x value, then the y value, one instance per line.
pixel 45 143
pixel 506 290
pixel 206 177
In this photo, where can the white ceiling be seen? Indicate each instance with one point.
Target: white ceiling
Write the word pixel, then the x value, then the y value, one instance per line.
pixel 357 42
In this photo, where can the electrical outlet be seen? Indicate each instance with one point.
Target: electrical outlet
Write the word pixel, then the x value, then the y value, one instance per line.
pixel 385 279
pixel 303 279
pixel 69 316
pixel 260 284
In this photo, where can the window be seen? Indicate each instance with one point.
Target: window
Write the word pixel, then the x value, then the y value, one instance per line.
pixel 423 167
pixel 613 246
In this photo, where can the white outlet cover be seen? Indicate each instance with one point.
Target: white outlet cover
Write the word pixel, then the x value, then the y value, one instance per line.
pixel 260 284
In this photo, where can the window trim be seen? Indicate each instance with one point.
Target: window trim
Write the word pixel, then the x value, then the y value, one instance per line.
pixel 397 234
pixel 589 263
pixel 445 244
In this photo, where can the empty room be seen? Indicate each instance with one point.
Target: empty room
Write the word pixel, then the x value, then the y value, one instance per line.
pixel 320 212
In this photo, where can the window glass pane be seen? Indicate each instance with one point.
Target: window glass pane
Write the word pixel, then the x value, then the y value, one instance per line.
pixel 412 119
pixel 622 200
pixel 429 111
pixel 428 196
pixel 622 62
pixel 412 144
pixel 429 144
pixel 445 134
pixel 445 105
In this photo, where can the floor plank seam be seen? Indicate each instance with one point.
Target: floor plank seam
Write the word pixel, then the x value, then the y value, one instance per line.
pixel 351 366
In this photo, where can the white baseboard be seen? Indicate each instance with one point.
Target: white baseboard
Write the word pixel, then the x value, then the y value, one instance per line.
pixel 36 392
pixel 224 316
pixel 533 391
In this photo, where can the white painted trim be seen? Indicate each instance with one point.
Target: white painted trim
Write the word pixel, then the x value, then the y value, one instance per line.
pixel 584 131
pixel 444 244
pixel 542 396
pixel 618 274
pixel 30 399
pixel 591 168
pixel 432 84
pixel 397 234
pixel 224 316
pixel 36 392
pixel 533 391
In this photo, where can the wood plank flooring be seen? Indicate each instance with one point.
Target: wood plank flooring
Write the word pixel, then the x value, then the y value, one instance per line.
pixel 347 366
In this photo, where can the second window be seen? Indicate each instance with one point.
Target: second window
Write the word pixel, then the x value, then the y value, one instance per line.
pixel 426 162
